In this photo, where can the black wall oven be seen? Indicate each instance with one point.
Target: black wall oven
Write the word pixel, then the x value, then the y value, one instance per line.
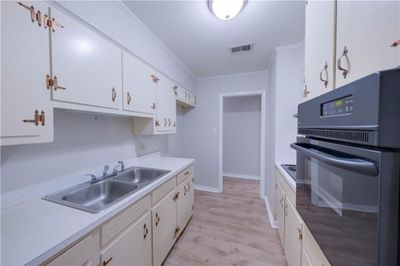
pixel 348 170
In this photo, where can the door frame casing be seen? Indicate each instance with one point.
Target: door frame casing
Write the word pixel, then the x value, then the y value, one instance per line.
pixel 262 94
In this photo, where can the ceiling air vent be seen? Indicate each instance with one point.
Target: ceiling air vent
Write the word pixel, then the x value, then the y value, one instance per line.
pixel 245 48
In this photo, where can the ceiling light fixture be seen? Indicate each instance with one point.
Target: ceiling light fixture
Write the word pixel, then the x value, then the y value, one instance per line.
pixel 226 9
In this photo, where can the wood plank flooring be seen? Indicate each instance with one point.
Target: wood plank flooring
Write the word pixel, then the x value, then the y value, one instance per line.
pixel 229 228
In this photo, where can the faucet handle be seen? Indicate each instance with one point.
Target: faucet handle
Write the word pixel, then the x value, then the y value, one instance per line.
pixel 122 165
pixel 105 171
pixel 93 178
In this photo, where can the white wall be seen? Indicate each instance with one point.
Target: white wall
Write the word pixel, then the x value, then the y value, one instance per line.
pixel 117 22
pixel 241 135
pixel 200 130
pixel 81 141
pixel 286 90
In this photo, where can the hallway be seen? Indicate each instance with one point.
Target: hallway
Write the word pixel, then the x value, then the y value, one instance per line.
pixel 224 231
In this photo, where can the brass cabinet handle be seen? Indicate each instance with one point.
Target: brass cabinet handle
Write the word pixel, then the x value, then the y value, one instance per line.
pixel 306 91
pixel 157 219
pixel 37 119
pixel 165 122
pixel 177 229
pixel 184 190
pixel 325 81
pixel 188 187
pixel 157 123
pixel 129 98
pixel 53 83
pixel 154 78
pixel 300 233
pixel 113 94
pixel 153 106
pixel 145 231
pixel 174 124
pixel 105 262
pixel 175 88
pixel 395 43
pixel 339 62
pixel 52 24
pixel 169 122
pixel 187 172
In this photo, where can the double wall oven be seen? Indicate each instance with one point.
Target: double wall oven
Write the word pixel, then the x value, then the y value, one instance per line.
pixel 348 170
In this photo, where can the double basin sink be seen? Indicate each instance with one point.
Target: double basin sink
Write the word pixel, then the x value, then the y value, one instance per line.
pixel 94 197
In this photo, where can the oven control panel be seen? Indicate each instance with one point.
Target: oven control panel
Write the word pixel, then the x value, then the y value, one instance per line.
pixel 336 107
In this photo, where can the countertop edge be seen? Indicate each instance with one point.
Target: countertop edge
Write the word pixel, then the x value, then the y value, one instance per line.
pixel 286 175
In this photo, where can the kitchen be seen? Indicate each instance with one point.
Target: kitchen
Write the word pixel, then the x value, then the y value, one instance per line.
pixel 114 132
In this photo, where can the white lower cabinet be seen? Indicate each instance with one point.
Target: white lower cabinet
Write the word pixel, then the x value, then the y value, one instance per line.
pixel 299 245
pixel 26 111
pixel 280 211
pixel 132 247
pixel 293 234
pixel 164 226
pixel 185 203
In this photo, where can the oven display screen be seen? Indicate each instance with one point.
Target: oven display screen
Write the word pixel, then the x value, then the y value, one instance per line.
pixel 338 107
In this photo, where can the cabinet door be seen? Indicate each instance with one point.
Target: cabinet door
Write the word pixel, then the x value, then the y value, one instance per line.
pixel 139 87
pixel 87 67
pixel 280 211
pixel 320 47
pixel 164 225
pixel 366 29
pixel 184 203
pixel 25 63
pixel 166 105
pixel 132 247
pixel 293 235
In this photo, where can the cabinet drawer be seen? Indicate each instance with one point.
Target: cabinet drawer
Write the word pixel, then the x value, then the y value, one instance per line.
pixel 185 173
pixel 163 190
pixel 311 250
pixel 85 251
pixel 121 221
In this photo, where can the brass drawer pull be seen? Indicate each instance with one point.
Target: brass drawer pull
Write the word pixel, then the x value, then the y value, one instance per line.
pixel 145 231
pixel 38 118
pixel 339 62
pixel 129 98
pixel 176 233
pixel 165 122
pixel 184 190
pixel 325 81
pixel 395 43
pixel 107 261
pixel 157 219
pixel 175 88
pixel 113 94
pixel 187 172
pixel 169 122
pixel 157 123
pixel 174 124
pixel 153 106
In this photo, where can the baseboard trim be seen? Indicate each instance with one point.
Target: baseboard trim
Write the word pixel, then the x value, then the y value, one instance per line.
pixel 205 188
pixel 272 221
pixel 241 176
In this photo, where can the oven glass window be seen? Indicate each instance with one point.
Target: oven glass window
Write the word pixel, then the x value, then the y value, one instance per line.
pixel 340 208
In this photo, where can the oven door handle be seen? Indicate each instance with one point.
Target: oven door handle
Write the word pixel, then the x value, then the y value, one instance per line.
pixel 353 164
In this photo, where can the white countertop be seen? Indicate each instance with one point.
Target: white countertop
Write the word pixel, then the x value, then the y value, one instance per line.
pixel 36 230
pixel 288 178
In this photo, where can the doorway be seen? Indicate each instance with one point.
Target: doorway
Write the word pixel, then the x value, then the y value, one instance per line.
pixel 242 138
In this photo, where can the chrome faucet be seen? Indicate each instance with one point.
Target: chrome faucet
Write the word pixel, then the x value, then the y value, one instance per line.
pixel 105 171
pixel 93 178
pixel 119 165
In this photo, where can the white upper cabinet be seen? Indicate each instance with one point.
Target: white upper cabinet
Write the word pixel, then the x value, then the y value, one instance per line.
pixel 319 48
pixel 87 67
pixel 166 106
pixel 26 111
pixel 184 97
pixel 139 86
pixel 365 33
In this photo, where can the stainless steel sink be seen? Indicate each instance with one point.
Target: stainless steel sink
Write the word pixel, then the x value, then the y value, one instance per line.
pixel 137 175
pixel 94 197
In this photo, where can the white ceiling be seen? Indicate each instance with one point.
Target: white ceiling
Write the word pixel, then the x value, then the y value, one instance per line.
pixel 201 41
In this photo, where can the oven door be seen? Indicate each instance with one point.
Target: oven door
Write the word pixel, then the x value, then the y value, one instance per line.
pixel 338 195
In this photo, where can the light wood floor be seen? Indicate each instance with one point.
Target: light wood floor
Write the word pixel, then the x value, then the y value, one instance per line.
pixel 229 228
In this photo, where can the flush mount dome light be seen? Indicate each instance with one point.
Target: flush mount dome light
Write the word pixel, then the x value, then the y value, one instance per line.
pixel 226 9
